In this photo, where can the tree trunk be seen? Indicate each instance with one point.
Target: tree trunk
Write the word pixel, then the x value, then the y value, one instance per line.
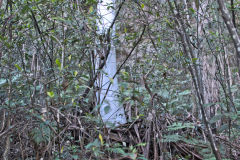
pixel 231 29
pixel 111 111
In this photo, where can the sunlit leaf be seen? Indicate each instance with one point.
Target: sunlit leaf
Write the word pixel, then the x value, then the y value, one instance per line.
pixel 18 67
pixel 75 73
pixel 58 63
pixel 62 149
pixel 69 57
pixel 100 138
pixel 50 94
pixel 111 80
pixel 91 9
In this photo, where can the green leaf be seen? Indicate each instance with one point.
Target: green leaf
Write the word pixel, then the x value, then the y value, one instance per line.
pixel 209 104
pixel 215 118
pixel 177 126
pixel 234 88
pixel 212 158
pixel 164 93
pixel 50 94
pixel 18 67
pixel 223 128
pixel 194 60
pixel 125 30
pixel 171 138
pixel 168 23
pixel 118 150
pixel 75 73
pixel 58 63
pixel 186 92
pixel 25 9
pixel 192 10
pixel 111 80
pixel 2 81
pixel 58 18
pixel 16 78
pixel 90 9
pixel 70 57
pixel 142 5
pixel 96 143
pixel 75 156
pixel 107 109
pixel 141 144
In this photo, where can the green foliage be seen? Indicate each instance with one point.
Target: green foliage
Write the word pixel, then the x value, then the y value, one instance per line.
pixel 41 134
pixel 95 147
pixel 46 103
pixel 176 126
pixel 107 109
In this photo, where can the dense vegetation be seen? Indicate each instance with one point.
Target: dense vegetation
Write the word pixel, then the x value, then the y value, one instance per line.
pixel 178 73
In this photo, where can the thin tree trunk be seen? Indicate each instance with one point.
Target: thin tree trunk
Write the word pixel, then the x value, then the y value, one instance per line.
pixel 189 52
pixel 111 111
pixel 231 29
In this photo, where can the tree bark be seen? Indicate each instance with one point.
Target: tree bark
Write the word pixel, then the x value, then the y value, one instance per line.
pixel 231 29
pixel 111 111
pixel 189 52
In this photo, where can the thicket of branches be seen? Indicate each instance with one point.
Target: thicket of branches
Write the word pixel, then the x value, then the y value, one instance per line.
pixel 179 77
